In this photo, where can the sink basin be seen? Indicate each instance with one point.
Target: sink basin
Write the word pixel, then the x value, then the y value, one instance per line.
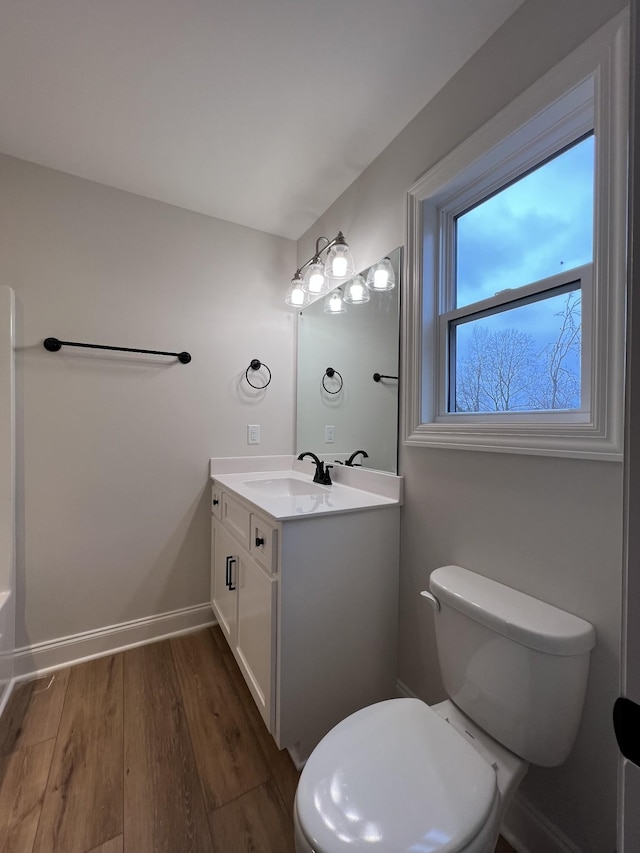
pixel 284 487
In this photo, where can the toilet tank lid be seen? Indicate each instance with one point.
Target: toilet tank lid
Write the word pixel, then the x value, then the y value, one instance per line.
pixel 528 621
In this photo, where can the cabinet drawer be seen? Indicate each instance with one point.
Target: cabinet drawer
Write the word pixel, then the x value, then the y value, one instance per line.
pixel 264 543
pixel 216 501
pixel 237 519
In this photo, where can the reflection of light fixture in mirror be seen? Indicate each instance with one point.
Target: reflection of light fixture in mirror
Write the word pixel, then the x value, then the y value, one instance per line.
pixel 334 303
pixel 318 276
pixel 381 276
pixel 296 295
pixel 355 292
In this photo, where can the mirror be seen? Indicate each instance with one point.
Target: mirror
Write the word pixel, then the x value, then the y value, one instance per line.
pixel 348 411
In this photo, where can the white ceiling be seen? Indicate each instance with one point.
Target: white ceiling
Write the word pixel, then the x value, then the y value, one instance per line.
pixel 260 112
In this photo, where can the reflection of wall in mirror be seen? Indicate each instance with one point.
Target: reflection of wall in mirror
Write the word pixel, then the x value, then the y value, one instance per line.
pixel 358 344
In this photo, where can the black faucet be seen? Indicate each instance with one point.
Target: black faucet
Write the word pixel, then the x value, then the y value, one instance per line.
pixel 322 473
pixel 349 461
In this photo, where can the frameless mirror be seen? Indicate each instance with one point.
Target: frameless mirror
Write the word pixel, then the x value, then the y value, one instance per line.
pixel 341 407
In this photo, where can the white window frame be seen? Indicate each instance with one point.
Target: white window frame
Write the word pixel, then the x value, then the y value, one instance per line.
pixel 582 275
pixel 587 91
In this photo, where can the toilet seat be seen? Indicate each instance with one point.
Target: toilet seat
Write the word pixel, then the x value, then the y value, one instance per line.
pixel 395 776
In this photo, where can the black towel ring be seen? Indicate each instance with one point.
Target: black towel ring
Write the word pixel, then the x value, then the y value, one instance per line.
pixel 256 364
pixel 331 372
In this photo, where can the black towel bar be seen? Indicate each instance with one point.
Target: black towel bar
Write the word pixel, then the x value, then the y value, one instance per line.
pixel 53 345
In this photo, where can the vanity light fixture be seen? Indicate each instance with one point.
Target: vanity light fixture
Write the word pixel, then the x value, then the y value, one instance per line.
pixel 314 281
pixel 334 303
pixel 381 276
pixel 296 295
pixel 318 276
pixel 356 291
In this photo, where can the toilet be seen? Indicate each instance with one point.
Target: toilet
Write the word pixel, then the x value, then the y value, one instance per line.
pixel 404 777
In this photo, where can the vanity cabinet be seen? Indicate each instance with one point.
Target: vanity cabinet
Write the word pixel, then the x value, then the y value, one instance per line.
pixel 243 597
pixel 309 607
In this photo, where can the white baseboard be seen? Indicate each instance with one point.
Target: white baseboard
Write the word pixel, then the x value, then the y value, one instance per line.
pixel 30 661
pixel 528 831
pixel 6 693
pixel 525 828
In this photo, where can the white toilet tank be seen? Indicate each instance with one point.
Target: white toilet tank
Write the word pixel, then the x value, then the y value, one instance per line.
pixel 516 665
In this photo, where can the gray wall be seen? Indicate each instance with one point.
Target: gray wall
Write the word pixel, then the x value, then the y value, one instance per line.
pixel 550 527
pixel 113 515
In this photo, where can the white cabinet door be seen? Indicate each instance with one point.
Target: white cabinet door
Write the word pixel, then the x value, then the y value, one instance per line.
pixel 224 580
pixel 255 645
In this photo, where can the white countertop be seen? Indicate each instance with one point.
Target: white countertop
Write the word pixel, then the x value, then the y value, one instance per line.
pixel 270 488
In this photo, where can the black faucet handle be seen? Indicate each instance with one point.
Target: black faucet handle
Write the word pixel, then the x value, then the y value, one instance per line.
pixel 326 480
pixel 318 477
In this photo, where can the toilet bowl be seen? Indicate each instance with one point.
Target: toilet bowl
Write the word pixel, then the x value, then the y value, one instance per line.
pixel 404 777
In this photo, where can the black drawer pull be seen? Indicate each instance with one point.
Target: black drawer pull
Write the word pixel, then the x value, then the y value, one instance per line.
pixel 215 501
pixel 259 541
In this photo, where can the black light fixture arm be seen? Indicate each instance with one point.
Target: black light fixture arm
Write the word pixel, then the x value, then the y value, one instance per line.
pixel 338 240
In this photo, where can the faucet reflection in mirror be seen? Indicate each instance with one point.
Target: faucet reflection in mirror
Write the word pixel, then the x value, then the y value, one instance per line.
pixel 359 342
pixel 314 278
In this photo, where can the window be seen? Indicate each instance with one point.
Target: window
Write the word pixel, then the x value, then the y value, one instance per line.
pixel 513 342
pixel 519 354
pixel 514 325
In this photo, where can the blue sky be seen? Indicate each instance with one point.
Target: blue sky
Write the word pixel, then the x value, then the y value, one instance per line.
pixel 537 227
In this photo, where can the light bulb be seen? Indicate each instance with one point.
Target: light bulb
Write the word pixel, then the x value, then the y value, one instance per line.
pixel 356 292
pixel 380 279
pixel 381 276
pixel 339 263
pixel 339 267
pixel 296 296
pixel 333 303
pixel 314 280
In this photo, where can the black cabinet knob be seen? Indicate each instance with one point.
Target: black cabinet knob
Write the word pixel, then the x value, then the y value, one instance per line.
pixel 215 501
pixel 259 541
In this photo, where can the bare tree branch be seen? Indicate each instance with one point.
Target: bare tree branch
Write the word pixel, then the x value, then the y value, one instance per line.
pixel 502 370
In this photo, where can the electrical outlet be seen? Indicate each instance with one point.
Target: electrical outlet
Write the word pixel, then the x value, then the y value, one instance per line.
pixel 329 434
pixel 253 433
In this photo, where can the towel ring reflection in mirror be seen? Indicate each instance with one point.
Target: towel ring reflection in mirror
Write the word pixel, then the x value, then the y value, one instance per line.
pixel 256 364
pixel 331 373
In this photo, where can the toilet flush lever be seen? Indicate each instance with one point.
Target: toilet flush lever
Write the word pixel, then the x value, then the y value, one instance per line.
pixel 433 601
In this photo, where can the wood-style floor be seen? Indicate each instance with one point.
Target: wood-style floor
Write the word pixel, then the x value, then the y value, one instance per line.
pixel 159 749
